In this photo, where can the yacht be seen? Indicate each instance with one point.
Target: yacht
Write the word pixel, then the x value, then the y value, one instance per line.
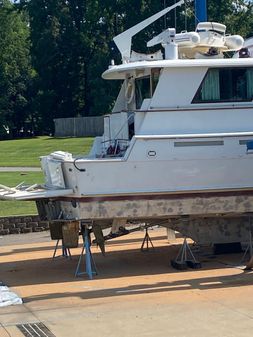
pixel 177 149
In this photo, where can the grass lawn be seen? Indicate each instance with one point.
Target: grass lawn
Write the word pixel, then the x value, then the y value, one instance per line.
pixel 26 152
pixel 19 207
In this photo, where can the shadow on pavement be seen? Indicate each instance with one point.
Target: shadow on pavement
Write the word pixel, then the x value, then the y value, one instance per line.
pixel 243 279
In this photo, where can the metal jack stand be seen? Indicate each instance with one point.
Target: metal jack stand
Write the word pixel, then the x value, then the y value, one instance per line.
pixel 249 249
pixel 185 258
pixel 90 267
pixel 65 251
pixel 146 240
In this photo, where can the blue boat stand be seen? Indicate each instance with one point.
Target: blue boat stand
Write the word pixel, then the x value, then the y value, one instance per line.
pixel 90 267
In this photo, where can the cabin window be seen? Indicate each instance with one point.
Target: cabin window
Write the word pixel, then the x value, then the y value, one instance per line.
pixel 145 86
pixel 142 90
pixel 226 85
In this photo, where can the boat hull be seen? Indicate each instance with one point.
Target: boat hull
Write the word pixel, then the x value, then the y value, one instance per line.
pixel 207 218
pixel 160 205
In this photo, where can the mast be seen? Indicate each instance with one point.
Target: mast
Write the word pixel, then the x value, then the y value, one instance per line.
pixel 200 11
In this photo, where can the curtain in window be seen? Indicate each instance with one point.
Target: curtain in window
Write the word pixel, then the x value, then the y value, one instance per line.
pixel 211 87
pixel 250 84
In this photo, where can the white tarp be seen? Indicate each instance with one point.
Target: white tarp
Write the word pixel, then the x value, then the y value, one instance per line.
pixel 8 298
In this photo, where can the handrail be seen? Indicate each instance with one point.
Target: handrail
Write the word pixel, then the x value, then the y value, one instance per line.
pixel 114 140
pixel 115 145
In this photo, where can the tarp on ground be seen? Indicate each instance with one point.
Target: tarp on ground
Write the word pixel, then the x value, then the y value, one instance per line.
pixel 7 297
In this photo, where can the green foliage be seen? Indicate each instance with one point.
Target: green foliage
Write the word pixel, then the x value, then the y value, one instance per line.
pixel 235 14
pixel 70 44
pixel 69 51
pixel 15 68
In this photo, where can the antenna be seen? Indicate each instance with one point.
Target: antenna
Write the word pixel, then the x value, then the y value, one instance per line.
pixel 124 40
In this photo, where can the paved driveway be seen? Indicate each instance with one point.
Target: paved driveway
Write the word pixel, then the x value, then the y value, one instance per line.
pixel 19 169
pixel 135 294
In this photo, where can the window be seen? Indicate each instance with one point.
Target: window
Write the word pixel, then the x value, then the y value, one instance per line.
pixel 145 86
pixel 142 90
pixel 226 85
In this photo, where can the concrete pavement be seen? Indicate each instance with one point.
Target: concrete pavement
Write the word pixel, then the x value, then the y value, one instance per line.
pixel 19 169
pixel 135 293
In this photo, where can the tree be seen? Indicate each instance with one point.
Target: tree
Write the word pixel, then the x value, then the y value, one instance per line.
pixel 15 68
pixel 69 49
pixel 71 45
pixel 235 14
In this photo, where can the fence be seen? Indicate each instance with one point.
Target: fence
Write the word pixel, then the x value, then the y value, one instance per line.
pixel 79 127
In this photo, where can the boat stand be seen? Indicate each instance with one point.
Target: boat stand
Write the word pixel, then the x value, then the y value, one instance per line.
pixel 146 241
pixel 185 258
pixel 248 250
pixel 90 267
pixel 65 251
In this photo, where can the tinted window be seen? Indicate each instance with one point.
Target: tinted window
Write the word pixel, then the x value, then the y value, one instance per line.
pixel 226 85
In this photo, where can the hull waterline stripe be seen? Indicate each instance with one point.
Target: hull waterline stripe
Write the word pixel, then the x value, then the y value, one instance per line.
pixel 172 196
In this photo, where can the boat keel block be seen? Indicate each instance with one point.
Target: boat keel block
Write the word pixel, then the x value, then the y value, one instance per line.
pixel 179 265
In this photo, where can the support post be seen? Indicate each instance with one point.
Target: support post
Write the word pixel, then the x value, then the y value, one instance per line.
pixel 185 258
pixel 65 251
pixel 146 240
pixel 249 249
pixel 200 11
pixel 90 267
pixel 171 235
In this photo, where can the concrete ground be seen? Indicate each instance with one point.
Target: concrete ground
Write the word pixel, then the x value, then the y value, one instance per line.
pixel 19 169
pixel 135 293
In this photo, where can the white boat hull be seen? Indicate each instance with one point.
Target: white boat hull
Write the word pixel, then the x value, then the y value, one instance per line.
pixel 162 166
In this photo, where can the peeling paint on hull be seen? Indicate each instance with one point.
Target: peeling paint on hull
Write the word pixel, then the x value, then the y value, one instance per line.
pixel 206 218
pixel 157 208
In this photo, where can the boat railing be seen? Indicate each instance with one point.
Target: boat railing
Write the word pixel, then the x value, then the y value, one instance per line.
pixel 114 147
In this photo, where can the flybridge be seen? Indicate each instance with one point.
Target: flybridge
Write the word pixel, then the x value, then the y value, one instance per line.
pixel 209 39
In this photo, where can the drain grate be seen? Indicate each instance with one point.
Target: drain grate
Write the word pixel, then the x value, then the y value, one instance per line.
pixel 35 330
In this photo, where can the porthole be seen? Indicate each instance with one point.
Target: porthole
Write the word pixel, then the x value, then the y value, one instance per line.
pixel 151 153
